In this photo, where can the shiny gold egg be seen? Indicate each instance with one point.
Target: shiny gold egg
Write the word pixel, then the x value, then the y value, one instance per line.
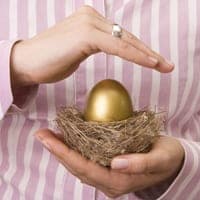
pixel 108 101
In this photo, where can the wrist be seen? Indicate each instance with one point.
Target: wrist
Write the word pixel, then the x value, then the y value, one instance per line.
pixel 19 77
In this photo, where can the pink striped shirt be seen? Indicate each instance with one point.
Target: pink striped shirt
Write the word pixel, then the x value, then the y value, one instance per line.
pixel 171 27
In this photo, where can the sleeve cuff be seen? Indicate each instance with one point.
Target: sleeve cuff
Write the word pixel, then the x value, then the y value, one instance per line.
pixel 23 98
pixel 12 101
pixel 6 97
pixel 186 185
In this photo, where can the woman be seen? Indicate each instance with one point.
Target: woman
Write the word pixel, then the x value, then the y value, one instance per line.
pixel 33 54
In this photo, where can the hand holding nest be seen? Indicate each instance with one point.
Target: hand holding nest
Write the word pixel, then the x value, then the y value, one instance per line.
pixel 129 173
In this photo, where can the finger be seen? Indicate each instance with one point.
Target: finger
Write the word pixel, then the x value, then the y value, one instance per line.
pixel 155 161
pixel 115 46
pixel 93 173
pixel 60 136
pixel 105 25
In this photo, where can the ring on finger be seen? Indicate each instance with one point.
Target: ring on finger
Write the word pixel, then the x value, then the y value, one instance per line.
pixel 116 30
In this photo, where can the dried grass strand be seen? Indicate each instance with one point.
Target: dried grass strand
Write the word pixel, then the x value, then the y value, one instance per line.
pixel 101 141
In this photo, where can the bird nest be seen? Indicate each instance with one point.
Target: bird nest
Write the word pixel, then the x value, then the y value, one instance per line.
pixel 101 141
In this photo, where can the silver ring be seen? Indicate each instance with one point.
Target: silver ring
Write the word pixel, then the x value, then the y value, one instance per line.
pixel 117 31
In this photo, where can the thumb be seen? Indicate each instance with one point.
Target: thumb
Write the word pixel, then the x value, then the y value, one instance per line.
pixel 138 163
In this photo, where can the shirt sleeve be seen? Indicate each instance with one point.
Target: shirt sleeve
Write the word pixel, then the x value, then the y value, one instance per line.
pixel 9 100
pixel 185 185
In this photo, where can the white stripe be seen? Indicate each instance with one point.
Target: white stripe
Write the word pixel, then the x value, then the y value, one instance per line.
pixel 1 151
pixel 155 46
pixel 108 6
pixel 13 137
pixel 122 197
pixel 59 190
pixel 69 82
pixel 78 190
pixel 89 2
pixel 51 87
pixel 90 72
pixel 50 13
pixel 69 7
pixel 188 135
pixel 190 176
pixel 31 18
pixel 13 19
pixel 117 60
pixel 31 32
pixel 70 90
pixel 27 159
pixel 1 112
pixel 42 175
pixel 196 122
pixel 174 55
pixel 51 101
pixel 191 52
pixel 137 69
pixel 191 111
pixel 118 68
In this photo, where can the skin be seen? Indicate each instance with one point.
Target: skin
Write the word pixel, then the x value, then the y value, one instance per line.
pixel 144 170
pixel 55 54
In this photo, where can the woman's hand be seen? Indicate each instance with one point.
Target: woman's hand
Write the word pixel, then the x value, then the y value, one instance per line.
pixel 139 171
pixel 57 52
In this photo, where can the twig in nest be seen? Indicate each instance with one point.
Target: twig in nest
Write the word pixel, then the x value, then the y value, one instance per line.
pixel 101 141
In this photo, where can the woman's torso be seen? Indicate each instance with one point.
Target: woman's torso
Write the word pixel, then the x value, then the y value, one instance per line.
pixel 171 28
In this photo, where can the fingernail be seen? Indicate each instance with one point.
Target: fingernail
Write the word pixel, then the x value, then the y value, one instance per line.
pixel 153 60
pixel 44 142
pixel 169 63
pixel 47 145
pixel 119 163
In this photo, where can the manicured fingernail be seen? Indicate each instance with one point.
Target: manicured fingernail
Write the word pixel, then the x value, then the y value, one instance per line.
pixel 153 60
pixel 119 163
pixel 44 142
pixel 171 64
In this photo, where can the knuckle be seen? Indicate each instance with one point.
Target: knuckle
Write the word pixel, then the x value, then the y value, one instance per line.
pixel 122 186
pixel 122 44
pixel 85 181
pixel 86 9
pixel 81 173
pixel 117 190
pixel 140 166
pixel 166 157
pixel 86 19
pixel 131 36
pixel 112 194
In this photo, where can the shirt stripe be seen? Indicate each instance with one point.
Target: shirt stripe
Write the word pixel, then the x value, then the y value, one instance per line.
pixel 31 32
pixel 1 112
pixel 155 46
pixel 51 87
pixel 13 137
pixel 174 55
pixel 191 77
pixel 27 160
pixel 136 18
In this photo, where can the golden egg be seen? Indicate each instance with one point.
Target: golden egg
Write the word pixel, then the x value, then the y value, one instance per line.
pixel 108 101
